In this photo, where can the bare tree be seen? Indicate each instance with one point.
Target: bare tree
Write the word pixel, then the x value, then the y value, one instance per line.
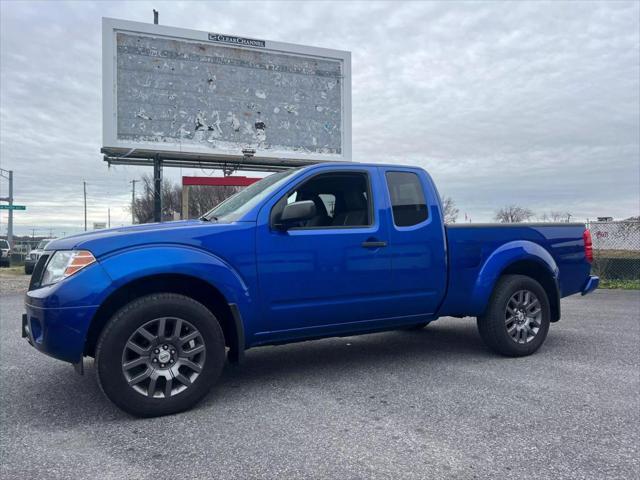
pixel 143 205
pixel 450 210
pixel 203 198
pixel 554 216
pixel 513 214
pixel 629 227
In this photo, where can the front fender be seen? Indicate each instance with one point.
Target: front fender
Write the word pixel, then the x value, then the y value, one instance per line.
pixel 499 260
pixel 126 266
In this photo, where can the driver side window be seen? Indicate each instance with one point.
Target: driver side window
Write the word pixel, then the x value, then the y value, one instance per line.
pixel 341 198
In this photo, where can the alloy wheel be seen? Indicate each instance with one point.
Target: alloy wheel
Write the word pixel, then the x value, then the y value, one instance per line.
pixel 163 357
pixel 523 316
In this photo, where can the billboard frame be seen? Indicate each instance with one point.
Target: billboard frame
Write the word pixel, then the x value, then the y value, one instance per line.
pixel 119 151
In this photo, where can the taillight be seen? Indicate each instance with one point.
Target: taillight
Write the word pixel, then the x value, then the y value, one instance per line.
pixel 588 245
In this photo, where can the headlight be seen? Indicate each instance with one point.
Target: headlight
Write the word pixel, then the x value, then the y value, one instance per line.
pixel 65 263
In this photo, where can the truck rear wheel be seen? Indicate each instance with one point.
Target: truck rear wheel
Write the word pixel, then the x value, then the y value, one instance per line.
pixel 517 319
pixel 160 354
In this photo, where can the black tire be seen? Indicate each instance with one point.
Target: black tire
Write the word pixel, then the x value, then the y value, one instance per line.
pixel 28 269
pixel 113 344
pixel 497 322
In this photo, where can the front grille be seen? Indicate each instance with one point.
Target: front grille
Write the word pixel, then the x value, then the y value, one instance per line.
pixel 38 271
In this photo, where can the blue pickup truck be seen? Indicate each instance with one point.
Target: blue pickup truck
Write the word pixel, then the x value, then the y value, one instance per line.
pixel 326 250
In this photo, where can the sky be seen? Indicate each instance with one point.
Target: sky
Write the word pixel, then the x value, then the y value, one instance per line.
pixel 535 104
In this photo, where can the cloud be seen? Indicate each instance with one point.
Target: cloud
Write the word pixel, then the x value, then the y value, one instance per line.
pixel 531 103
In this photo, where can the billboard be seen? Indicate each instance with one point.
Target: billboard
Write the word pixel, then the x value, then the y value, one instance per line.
pixel 207 94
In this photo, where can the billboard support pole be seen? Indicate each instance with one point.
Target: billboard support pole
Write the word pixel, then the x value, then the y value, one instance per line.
pixel 157 188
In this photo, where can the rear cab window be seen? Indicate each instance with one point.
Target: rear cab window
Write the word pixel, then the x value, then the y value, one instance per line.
pixel 407 197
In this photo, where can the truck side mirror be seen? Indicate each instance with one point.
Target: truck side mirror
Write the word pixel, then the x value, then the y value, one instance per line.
pixel 296 212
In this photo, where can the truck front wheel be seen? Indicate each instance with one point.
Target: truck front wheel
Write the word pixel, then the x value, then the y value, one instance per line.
pixel 159 354
pixel 517 319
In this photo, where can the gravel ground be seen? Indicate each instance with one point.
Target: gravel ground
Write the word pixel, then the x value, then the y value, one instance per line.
pixel 433 403
pixel 14 281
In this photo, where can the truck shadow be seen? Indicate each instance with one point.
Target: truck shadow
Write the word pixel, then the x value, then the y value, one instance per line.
pixel 437 344
pixel 67 399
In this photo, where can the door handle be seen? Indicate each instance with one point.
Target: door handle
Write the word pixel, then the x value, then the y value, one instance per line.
pixel 374 244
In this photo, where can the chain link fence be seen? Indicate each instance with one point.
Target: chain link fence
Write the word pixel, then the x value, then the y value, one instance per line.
pixel 616 249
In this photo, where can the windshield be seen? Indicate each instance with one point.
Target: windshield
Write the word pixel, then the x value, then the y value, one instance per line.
pixel 237 205
pixel 42 244
pixel 4 244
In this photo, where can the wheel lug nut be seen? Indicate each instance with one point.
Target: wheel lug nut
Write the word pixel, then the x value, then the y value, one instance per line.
pixel 162 365
pixel 165 347
pixel 173 352
pixel 155 360
pixel 171 361
pixel 156 351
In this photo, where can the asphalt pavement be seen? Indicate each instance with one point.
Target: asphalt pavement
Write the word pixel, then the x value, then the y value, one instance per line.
pixel 428 404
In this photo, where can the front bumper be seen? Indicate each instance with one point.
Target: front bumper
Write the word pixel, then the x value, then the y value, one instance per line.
pixel 50 330
pixel 58 316
pixel 590 285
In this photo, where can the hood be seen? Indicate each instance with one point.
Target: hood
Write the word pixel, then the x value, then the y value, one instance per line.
pixel 101 242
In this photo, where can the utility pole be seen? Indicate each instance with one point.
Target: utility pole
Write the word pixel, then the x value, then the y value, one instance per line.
pixel 10 222
pixel 155 16
pixel 108 218
pixel 84 187
pixel 8 174
pixel 133 200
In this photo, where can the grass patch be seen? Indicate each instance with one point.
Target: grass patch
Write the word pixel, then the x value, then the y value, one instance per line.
pixel 620 284
pixel 17 270
pixel 616 253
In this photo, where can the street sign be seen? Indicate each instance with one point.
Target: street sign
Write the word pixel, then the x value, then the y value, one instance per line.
pixel 13 207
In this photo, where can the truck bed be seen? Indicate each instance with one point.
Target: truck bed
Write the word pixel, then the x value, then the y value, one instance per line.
pixel 471 245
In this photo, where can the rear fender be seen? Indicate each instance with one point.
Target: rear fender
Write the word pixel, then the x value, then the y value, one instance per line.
pixel 504 256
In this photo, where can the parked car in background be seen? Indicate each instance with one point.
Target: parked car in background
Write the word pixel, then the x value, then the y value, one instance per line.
pixel 34 255
pixel 5 253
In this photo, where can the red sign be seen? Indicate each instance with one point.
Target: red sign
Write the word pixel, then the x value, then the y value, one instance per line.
pixel 219 181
